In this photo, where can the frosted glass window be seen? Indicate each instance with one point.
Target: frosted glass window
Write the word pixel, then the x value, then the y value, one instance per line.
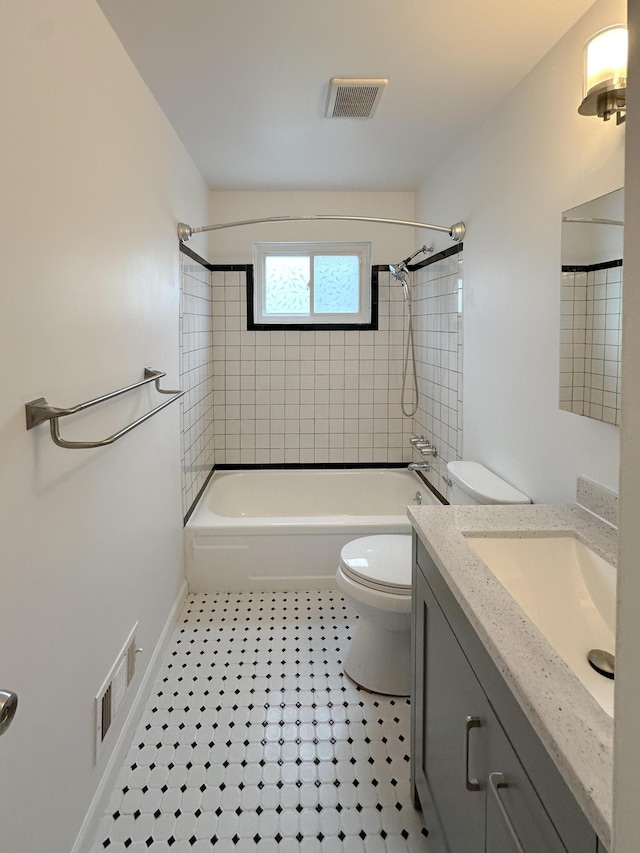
pixel 337 284
pixel 312 284
pixel 286 285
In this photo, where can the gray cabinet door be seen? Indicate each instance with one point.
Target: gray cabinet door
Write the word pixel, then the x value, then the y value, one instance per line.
pixel 517 822
pixel 456 714
pixel 418 666
pixel 520 809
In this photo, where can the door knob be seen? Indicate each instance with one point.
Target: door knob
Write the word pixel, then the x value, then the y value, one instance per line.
pixel 8 705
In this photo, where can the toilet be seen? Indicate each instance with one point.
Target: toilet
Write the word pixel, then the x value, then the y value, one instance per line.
pixel 374 576
pixel 472 483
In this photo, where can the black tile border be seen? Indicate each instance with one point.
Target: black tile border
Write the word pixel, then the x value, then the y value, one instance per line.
pixel 440 256
pixel 194 504
pixel 371 326
pixel 194 256
pixel 433 489
pixel 445 253
pixel 605 265
pixel 231 268
pixel 301 466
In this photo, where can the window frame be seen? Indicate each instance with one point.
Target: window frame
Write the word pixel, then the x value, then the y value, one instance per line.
pixel 366 318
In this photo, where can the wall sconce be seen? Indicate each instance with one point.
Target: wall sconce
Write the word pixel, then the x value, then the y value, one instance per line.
pixel 605 74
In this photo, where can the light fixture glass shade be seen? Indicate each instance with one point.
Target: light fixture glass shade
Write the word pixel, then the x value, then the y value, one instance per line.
pixel 605 73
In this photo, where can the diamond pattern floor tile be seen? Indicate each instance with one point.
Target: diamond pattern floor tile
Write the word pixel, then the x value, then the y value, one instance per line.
pixel 253 739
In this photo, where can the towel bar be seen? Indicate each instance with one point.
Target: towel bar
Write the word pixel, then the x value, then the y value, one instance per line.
pixel 39 410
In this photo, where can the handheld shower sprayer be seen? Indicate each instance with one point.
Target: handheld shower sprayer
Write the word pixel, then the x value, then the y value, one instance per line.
pixel 400 270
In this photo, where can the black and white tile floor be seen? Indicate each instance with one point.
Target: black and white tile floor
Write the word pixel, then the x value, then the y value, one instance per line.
pixel 254 740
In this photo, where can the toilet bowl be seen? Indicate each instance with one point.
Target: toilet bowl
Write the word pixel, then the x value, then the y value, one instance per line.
pixel 374 576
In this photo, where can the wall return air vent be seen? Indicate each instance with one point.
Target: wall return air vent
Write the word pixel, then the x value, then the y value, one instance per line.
pixel 354 97
pixel 111 695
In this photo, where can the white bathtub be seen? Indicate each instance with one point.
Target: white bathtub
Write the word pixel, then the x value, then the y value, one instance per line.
pixel 281 530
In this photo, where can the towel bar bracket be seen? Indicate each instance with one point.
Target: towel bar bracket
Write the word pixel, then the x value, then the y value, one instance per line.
pixel 39 411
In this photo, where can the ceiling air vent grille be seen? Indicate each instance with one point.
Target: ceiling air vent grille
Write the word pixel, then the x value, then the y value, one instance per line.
pixel 354 97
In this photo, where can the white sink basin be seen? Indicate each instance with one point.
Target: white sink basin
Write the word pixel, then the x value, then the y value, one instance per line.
pixel 567 591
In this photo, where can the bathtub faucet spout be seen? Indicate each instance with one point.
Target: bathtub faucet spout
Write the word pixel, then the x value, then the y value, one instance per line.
pixel 419 466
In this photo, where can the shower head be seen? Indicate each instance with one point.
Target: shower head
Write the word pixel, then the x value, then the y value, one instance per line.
pixel 399 272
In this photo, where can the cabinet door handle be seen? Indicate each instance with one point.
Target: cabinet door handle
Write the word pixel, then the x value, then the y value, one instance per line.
pixel 471 723
pixel 497 781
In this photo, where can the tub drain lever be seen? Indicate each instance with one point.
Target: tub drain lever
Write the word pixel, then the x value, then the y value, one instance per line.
pixel 603 662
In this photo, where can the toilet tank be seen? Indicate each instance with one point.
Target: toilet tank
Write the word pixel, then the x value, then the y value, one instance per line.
pixel 472 483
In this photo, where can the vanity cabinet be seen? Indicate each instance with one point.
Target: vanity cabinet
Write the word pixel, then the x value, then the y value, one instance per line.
pixel 479 772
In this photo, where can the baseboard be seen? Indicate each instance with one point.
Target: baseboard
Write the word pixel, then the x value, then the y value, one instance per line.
pixel 89 827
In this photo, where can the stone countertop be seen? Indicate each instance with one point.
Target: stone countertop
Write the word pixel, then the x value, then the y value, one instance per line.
pixel 576 731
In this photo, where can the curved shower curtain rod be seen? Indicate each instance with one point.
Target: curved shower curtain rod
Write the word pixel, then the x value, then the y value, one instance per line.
pixel 455 231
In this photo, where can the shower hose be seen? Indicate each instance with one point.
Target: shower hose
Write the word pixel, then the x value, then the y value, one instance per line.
pixel 409 354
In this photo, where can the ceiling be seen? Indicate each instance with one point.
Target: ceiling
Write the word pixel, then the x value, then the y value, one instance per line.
pixel 244 82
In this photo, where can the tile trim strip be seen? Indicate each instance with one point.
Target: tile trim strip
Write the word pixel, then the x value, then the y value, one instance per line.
pixel 605 265
pixel 191 509
pixel 301 466
pixel 440 256
pixel 371 326
pixel 185 250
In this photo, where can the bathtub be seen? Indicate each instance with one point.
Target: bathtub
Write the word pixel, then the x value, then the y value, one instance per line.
pixel 283 529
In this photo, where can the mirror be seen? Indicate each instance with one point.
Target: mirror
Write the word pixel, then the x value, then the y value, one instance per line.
pixel 591 308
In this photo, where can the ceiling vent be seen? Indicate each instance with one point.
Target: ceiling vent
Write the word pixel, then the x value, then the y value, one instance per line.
pixel 354 97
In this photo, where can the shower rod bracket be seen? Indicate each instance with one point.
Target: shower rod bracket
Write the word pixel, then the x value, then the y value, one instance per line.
pixel 455 231
pixel 458 230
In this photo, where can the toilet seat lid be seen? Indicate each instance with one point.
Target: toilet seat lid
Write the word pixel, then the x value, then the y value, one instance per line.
pixel 382 562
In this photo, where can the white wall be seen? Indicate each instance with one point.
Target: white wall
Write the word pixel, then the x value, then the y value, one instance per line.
pixel 510 181
pixel 93 183
pixel 389 243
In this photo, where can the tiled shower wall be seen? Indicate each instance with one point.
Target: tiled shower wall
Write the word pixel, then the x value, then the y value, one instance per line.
pixel 590 344
pixel 437 307
pixel 196 377
pixel 307 396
